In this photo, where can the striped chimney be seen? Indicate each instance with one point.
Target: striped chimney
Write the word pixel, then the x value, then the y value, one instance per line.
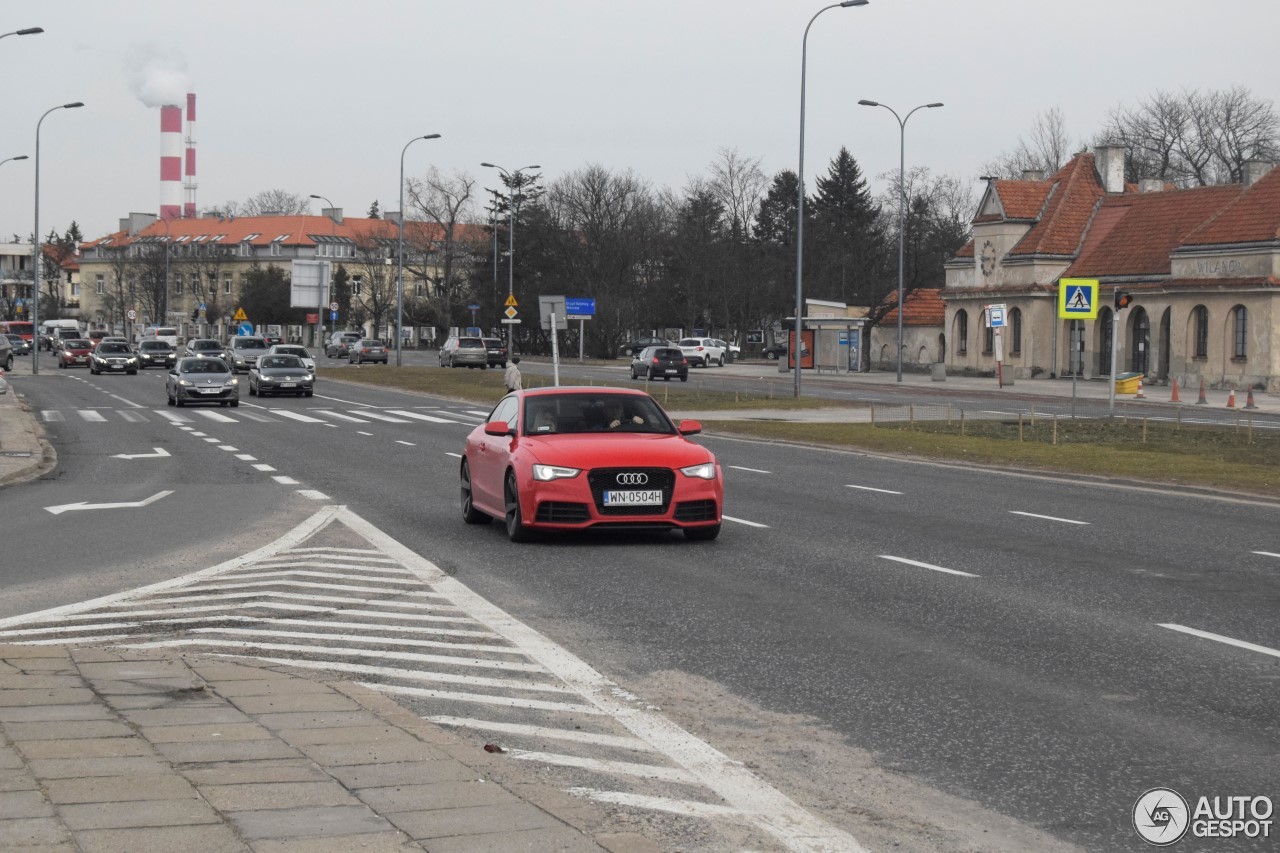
pixel 170 162
pixel 189 187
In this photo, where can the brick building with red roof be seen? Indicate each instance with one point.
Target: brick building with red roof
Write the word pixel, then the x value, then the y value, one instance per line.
pixel 1202 265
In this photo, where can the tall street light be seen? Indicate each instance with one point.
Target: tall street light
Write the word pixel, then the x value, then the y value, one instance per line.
pixel 902 204
pixel 514 181
pixel 799 324
pixel 164 299
pixel 322 289
pixel 29 31
pixel 36 249
pixel 7 159
pixel 400 248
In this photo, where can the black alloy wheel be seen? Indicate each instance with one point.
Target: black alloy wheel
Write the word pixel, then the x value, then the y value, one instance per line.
pixel 470 514
pixel 516 531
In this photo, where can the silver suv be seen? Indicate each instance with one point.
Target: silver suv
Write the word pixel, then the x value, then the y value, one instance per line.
pixel 244 351
pixel 464 352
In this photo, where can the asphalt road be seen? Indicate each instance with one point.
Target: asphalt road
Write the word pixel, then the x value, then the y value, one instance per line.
pixel 1021 644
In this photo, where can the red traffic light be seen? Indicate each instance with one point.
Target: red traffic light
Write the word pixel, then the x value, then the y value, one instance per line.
pixel 1123 299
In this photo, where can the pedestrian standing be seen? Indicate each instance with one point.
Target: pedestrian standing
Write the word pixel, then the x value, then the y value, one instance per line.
pixel 512 377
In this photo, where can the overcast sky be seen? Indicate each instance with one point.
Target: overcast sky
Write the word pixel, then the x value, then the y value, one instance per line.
pixel 321 96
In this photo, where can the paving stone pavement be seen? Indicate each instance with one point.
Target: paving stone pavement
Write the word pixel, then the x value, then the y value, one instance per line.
pixel 107 750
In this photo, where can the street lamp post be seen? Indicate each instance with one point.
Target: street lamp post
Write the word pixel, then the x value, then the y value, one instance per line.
pixel 164 298
pixel 514 180
pixel 902 204
pixel 29 31
pixel 799 324
pixel 36 249
pixel 400 248
pixel 7 159
pixel 323 289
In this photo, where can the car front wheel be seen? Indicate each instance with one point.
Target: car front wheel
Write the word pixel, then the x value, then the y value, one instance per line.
pixel 516 531
pixel 470 514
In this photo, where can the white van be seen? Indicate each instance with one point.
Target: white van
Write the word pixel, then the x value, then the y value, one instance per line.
pixel 168 334
pixel 51 330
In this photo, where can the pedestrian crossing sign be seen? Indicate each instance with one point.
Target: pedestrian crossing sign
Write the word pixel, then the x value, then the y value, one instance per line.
pixel 1078 299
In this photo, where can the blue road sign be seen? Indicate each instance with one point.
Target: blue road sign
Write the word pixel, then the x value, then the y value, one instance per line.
pixel 333 315
pixel 576 307
pixel 244 329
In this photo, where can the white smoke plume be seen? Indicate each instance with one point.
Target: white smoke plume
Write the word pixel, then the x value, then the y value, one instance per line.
pixel 156 76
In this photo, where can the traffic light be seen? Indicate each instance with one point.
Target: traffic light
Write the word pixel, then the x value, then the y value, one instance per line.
pixel 195 314
pixel 1123 299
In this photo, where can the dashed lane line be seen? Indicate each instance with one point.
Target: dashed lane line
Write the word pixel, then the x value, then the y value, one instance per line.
pixel 929 566
pixel 1219 638
pixel 1047 517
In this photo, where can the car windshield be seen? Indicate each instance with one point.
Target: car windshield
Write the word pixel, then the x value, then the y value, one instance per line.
pixel 250 343
pixel 112 347
pixel 204 345
pixel 298 351
pixel 691 342
pixel 280 361
pixel 201 365
pixel 556 414
pixel 76 343
pixel 155 345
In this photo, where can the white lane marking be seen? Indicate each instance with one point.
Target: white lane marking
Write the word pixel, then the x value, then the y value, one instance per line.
pixel 615 741
pixel 872 489
pixel 52 416
pixel 160 453
pixel 449 660
pixel 58 510
pixel 454 455
pixel 219 585
pixel 484 699
pixel 92 416
pixel 399 629
pixel 428 418
pixel 306 419
pixel 690 808
pixel 360 638
pixel 1267 553
pixel 340 416
pixel 378 416
pixel 126 402
pixel 928 566
pixel 245 457
pixel 397 582
pixel 199 434
pixel 413 674
pixel 172 417
pixel 1253 647
pixel 752 470
pixel 102 627
pixel 1048 517
pixel 621 768
pixel 228 448
pixel 133 417
pixel 362 432
pixel 262 419
pixel 216 416
pixel 212 440
pixel 476 412
pixel 285 481
pixel 743 521
pixel 312 494
pixel 261 466
pixel 407 443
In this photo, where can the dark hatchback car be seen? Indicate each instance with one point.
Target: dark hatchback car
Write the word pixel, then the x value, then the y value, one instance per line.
pixel 633 347
pixel 156 353
pixel 660 363
pixel 497 352
pixel 19 345
pixel 110 356
pixel 367 349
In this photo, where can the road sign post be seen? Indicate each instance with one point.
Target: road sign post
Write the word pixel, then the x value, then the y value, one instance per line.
pixel 581 309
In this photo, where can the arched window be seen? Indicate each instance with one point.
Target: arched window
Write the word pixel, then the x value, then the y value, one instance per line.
pixel 962 333
pixel 1015 332
pixel 988 340
pixel 1240 334
pixel 1200 315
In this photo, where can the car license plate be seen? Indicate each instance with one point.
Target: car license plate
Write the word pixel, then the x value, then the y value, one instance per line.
pixel 288 384
pixel 210 390
pixel 672 370
pixel 633 497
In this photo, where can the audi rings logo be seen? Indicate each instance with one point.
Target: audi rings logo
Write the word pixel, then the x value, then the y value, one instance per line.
pixel 1161 816
pixel 636 479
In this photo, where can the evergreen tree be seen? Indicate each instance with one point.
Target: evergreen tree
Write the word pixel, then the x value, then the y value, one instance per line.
pixel 265 297
pixel 341 294
pixel 374 213
pixel 848 254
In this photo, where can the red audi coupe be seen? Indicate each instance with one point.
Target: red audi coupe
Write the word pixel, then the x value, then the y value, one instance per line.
pixel 563 459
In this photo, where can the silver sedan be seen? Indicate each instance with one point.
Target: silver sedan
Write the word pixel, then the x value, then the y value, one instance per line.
pixel 280 374
pixel 202 380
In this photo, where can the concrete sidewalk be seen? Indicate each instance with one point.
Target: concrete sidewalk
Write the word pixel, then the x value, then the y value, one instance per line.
pixel 107 751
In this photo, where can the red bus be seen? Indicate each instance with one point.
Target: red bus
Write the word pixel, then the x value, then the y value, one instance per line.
pixel 25 328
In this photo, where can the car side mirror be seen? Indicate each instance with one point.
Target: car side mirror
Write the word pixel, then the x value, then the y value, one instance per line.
pixel 689 427
pixel 498 428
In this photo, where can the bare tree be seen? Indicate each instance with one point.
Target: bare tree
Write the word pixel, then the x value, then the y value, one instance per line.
pixel 1046 148
pixel 739 184
pixel 275 202
pixel 437 256
pixel 373 283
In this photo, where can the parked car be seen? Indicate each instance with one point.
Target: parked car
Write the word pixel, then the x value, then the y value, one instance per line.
pixel 660 363
pixel 280 374
pixel 244 351
pixel 202 380
pixel 340 343
pixel 294 349
pixel 207 348
pixel 464 352
pixel 367 349
pixel 562 459
pixel 496 351
pixel 633 347
pixel 773 352
pixel 156 352
pixel 6 353
pixel 75 351
pixel 733 352
pixel 702 352
pixel 113 356
pixel 19 344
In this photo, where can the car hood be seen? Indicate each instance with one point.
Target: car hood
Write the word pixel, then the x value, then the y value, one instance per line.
pixel 615 450
pixel 284 372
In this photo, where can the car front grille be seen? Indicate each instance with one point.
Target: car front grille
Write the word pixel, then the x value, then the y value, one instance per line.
pixel 562 512
pixel 696 511
pixel 602 479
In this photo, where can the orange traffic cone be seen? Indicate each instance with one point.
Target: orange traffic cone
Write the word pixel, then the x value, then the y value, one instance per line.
pixel 1248 404
pixel 1202 401
pixel 1139 395
pixel 1231 399
pixel 1174 398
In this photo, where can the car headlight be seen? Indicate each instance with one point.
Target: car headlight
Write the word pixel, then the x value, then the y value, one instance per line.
pixel 705 471
pixel 554 472
pixel 131 361
pixel 232 382
pixel 186 383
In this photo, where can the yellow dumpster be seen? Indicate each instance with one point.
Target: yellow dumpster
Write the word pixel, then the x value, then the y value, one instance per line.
pixel 1127 383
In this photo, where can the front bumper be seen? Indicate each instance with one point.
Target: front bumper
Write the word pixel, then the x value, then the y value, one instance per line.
pixel 578 503
pixel 218 393
pixel 284 386
pixel 114 364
